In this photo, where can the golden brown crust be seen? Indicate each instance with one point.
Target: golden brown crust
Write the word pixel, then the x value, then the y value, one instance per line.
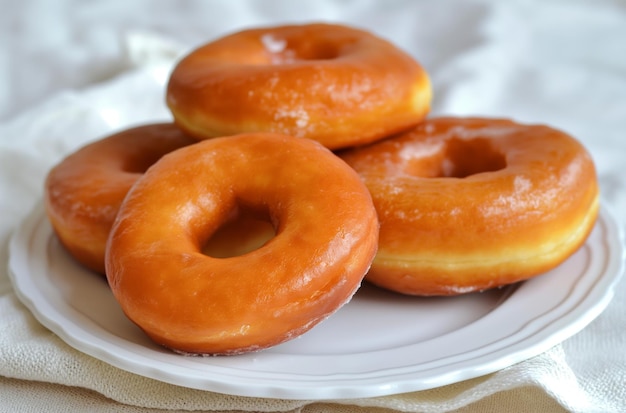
pixel 334 84
pixel 469 204
pixel 326 237
pixel 82 193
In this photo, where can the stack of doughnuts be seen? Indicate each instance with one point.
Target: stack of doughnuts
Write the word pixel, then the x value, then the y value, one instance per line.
pixel 301 161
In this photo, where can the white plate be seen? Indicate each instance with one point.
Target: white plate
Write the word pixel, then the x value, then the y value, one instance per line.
pixel 378 344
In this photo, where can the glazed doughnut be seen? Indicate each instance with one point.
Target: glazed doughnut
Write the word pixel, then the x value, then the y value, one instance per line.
pixel 338 85
pixel 83 192
pixel 468 204
pixel 326 237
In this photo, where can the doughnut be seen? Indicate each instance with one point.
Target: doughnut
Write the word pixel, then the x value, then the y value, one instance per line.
pixel 469 204
pixel 242 233
pixel 337 85
pixel 84 191
pixel 326 235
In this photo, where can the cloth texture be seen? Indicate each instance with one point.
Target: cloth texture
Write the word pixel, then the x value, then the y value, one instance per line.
pixel 90 68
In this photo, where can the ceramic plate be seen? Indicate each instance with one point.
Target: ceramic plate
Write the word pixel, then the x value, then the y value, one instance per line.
pixel 378 344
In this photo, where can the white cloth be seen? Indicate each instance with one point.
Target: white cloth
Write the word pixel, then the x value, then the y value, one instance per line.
pixel 557 62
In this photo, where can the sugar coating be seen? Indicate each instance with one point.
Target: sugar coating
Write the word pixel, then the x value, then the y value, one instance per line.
pixel 521 184
pixel 419 150
pixel 299 114
pixel 273 44
pixel 485 132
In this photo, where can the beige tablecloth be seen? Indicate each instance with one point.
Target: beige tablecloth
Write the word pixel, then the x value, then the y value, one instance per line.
pixel 91 67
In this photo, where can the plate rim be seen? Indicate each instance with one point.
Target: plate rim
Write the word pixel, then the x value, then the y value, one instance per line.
pixel 573 321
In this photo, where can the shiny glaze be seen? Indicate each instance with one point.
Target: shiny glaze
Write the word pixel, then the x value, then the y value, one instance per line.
pixel 334 84
pixel 326 237
pixel 467 204
pixel 84 191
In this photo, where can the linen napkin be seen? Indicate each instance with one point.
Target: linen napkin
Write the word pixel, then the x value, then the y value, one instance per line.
pixel 580 375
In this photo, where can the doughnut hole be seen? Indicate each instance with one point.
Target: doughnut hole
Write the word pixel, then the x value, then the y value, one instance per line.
pixel 458 158
pixel 317 51
pixel 140 163
pixel 282 51
pixel 244 232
